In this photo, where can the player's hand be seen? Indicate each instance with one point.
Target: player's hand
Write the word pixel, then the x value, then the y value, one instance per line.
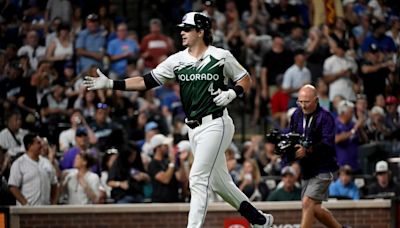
pixel 225 97
pixel 101 82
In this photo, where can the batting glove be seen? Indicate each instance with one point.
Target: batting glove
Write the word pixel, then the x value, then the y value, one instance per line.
pixel 225 97
pixel 101 82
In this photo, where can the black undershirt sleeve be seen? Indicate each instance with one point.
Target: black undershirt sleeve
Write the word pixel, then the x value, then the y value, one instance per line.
pixel 149 81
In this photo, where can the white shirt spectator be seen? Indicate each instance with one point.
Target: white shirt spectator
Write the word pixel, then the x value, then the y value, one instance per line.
pixel 33 178
pixel 34 55
pixel 75 192
pixel 296 77
pixel 10 143
pixel 342 86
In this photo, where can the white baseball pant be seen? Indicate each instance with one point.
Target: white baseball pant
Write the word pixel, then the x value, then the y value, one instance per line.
pixel 209 142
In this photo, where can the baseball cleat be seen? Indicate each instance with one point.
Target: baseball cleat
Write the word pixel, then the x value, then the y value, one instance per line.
pixel 269 221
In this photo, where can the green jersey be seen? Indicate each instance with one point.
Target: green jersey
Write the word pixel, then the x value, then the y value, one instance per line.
pixel 200 80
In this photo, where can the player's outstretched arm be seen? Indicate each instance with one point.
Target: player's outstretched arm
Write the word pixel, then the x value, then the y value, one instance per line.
pixel 103 82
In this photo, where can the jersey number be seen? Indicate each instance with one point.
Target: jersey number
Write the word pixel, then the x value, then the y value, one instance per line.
pixel 211 89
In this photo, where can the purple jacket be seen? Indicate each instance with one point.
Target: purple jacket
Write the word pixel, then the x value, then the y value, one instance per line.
pixel 321 133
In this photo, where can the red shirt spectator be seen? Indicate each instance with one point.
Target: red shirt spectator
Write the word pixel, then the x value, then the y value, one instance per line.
pixel 155 46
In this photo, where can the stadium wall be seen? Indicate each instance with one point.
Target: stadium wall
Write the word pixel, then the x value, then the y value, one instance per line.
pixel 363 213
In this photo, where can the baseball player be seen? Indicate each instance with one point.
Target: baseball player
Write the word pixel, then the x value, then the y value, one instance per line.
pixel 202 72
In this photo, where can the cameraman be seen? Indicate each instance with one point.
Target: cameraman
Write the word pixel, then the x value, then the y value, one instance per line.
pixel 317 160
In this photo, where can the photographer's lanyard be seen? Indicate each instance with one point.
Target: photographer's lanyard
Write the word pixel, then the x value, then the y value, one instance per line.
pixel 305 130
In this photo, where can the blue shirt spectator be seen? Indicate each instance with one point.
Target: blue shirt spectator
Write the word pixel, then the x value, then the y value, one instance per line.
pixel 121 49
pixel 378 37
pixel 90 44
pixel 344 187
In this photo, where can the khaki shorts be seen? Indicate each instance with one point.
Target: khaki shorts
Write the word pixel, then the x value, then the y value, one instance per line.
pixel 317 187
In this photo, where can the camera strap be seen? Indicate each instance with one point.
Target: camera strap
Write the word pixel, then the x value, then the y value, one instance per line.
pixel 306 126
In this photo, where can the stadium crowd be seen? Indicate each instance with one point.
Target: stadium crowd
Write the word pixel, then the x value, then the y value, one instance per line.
pixel 63 144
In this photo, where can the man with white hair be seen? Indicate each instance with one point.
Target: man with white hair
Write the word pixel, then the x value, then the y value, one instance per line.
pixel 347 136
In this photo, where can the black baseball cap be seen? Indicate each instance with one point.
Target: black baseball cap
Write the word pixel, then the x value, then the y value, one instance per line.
pixel 195 20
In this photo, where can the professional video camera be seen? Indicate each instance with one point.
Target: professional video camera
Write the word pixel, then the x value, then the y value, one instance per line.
pixel 285 142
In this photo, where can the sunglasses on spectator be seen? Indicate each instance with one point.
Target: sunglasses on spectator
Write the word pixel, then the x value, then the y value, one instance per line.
pixel 102 106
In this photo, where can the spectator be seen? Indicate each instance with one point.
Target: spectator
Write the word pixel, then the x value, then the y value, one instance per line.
pixel 33 49
pixel 283 16
pixel 127 176
pixel 256 16
pixel 348 136
pixel 296 40
pixel 317 49
pixel 87 102
pixel 361 108
pixel 166 171
pixel 59 8
pixel 279 104
pixel 155 46
pixel 270 163
pixel 275 62
pixel 76 21
pixel 102 125
pixel 234 33
pixel 210 9
pixel 121 49
pixel 375 125
pixel 107 162
pixel 49 152
pixel 344 187
pixel 362 30
pixel 375 71
pixel 11 137
pixel 383 42
pixel 394 31
pixel 90 44
pixel 295 77
pixel 323 97
pixel 32 178
pixel 54 109
pixel 289 191
pixel 392 116
pixel 81 186
pixel 233 166
pixel 66 140
pixel 383 186
pixel 105 21
pixel 338 70
pixel 60 49
pixel 250 182
pixel 81 146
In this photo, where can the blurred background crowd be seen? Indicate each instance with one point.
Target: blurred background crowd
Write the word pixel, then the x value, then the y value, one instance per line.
pixel 127 147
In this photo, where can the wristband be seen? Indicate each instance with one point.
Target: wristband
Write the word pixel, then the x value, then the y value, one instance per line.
pixel 171 165
pixel 119 85
pixel 238 90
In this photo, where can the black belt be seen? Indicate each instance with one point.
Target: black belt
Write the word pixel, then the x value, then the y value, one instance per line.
pixel 193 123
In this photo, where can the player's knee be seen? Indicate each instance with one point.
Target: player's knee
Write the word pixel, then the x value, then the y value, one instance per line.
pixel 197 183
pixel 307 203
